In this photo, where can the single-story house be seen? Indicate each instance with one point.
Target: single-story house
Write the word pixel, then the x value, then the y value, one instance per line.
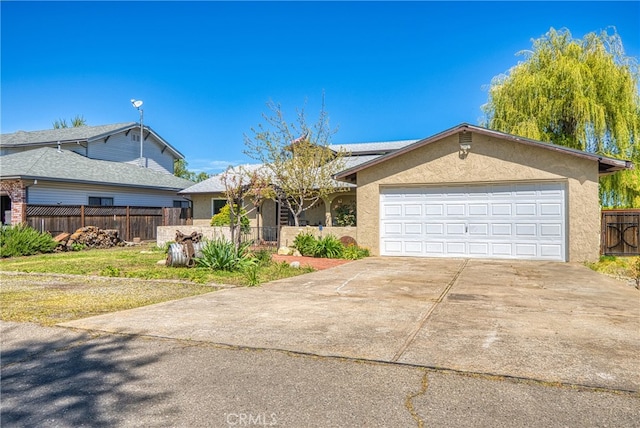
pixel 474 192
pixel 466 192
pixel 88 165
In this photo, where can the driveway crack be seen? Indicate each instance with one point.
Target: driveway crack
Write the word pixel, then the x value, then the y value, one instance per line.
pixel 427 314
pixel 408 403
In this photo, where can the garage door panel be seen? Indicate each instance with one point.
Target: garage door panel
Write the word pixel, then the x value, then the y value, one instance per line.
pixel 455 229
pixel 479 248
pixel 503 249
pixel 413 210
pixel 392 210
pixel 501 229
pixel 434 210
pixel 455 209
pixel 525 220
pixel 524 229
pixel 551 230
pixel 434 229
pixel 413 229
pixel 413 247
pixel 478 229
pixel 501 210
pixel 478 209
pixel 523 209
pixel 456 248
pixel 434 248
pixel 547 209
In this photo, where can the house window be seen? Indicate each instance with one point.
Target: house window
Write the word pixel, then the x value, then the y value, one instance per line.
pixel 99 200
pixel 216 205
pixel 180 204
pixel 135 137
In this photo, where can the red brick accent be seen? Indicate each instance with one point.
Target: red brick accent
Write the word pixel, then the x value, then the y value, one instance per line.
pixel 17 192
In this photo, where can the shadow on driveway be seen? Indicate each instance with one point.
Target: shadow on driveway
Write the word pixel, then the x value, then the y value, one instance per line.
pixel 68 378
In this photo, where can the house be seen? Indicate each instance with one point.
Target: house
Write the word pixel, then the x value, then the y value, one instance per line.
pixel 88 165
pixel 208 196
pixel 474 192
pixel 467 192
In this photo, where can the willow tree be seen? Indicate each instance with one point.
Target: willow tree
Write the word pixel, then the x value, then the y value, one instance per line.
pixel 577 93
pixel 297 158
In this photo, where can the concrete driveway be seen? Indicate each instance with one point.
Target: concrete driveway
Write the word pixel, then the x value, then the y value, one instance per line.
pixel 542 321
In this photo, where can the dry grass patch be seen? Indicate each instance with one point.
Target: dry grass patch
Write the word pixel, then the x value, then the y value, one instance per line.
pixel 48 300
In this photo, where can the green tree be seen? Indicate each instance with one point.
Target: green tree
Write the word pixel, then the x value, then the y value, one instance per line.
pixel 76 122
pixel 297 157
pixel 180 170
pixel 576 93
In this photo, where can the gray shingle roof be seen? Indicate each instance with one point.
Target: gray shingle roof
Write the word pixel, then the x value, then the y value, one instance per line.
pixel 47 163
pixel 81 133
pixel 379 148
pixel 214 183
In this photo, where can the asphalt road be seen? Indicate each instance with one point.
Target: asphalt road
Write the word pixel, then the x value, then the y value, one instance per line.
pixel 55 377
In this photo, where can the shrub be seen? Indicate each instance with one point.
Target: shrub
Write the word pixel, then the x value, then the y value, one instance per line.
pixel 634 269
pixel 251 275
pixel 220 254
pixel 305 243
pixel 328 247
pixel 262 256
pixel 23 240
pixel 346 214
pixel 223 218
pixel 353 252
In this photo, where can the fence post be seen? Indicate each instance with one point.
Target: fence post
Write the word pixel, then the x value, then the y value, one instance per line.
pixel 81 215
pixel 128 225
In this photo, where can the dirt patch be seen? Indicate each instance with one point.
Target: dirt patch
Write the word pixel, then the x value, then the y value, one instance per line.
pixel 315 262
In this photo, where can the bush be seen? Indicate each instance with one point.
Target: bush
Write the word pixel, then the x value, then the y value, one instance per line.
pixel 634 270
pixel 262 256
pixel 346 214
pixel 223 218
pixel 305 243
pixel 353 252
pixel 328 247
pixel 220 254
pixel 23 240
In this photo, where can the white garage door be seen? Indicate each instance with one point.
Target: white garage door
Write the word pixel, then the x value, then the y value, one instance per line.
pixel 511 221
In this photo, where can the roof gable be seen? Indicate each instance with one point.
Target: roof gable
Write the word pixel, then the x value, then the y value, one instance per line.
pixel 48 137
pixel 606 165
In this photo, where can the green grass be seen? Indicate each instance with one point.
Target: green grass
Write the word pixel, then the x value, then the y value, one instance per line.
pixel 614 266
pixel 134 262
pixel 49 299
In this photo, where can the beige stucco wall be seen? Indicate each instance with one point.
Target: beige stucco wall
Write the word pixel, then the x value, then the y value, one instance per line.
pixel 288 233
pixel 490 160
pixel 202 209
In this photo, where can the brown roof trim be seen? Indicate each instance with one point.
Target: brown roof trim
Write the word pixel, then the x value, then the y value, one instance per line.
pixel 606 165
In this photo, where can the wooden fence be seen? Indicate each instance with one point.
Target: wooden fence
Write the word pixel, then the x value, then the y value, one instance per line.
pixel 131 222
pixel 620 232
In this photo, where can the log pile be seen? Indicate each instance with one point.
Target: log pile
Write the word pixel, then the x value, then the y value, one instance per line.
pixel 89 237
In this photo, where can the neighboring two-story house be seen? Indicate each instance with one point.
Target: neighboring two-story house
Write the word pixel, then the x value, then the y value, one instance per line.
pixel 88 165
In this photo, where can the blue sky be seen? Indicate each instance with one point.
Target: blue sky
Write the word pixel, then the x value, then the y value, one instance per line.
pixel 205 70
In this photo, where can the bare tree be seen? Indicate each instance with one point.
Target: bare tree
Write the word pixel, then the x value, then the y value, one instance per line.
pixel 243 185
pixel 297 157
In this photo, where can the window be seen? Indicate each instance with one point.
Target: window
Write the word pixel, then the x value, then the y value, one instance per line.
pixel 99 200
pixel 135 137
pixel 216 205
pixel 180 204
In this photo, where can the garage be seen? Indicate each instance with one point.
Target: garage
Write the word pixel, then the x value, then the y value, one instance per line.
pixel 502 220
pixel 473 192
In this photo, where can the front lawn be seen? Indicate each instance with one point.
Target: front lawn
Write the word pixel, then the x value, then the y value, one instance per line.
pixel 139 261
pixel 44 296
